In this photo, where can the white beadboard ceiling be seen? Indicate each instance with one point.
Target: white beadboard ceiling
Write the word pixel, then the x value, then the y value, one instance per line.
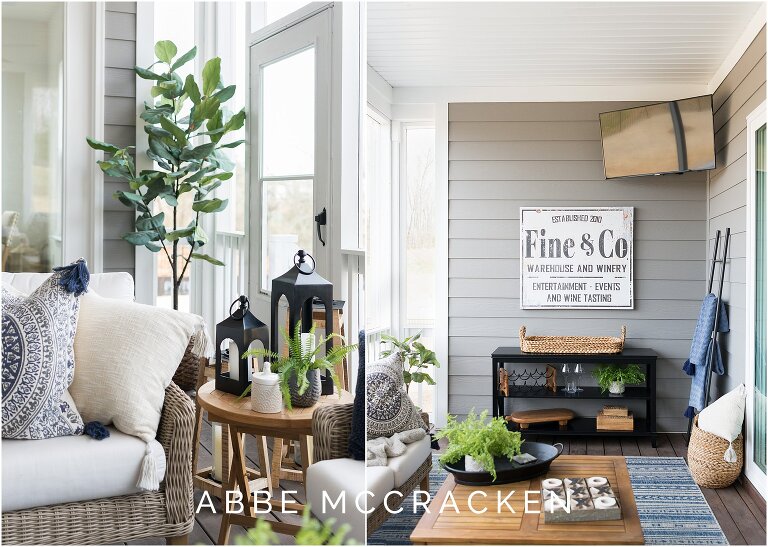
pixel 440 44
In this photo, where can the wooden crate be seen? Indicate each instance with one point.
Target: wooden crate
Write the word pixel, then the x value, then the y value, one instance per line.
pixel 615 423
pixel 611 410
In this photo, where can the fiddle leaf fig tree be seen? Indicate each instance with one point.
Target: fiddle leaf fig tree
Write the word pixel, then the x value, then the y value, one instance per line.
pixel 188 151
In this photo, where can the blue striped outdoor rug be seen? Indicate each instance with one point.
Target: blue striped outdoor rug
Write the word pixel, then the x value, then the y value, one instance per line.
pixel 672 509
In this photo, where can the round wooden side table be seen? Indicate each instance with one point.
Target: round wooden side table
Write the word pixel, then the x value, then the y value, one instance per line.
pixel 295 425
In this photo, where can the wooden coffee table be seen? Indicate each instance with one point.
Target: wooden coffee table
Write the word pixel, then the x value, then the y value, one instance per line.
pixel 506 527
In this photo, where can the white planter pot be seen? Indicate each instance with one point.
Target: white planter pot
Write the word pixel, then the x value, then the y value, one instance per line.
pixel 472 465
pixel 617 388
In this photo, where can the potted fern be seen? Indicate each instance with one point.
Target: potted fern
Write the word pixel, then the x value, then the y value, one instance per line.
pixel 613 378
pixel 479 442
pixel 300 370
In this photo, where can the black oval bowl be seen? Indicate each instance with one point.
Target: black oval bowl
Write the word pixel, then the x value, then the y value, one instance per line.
pixel 509 471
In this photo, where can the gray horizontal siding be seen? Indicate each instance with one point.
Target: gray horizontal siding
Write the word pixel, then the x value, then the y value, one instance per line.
pixel 736 97
pixel 505 156
pixel 119 126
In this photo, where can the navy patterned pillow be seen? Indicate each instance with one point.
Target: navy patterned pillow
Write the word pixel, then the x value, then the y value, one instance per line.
pixel 38 356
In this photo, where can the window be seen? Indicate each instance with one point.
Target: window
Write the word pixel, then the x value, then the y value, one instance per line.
pixel 33 44
pixel 376 232
pixel 288 161
pixel 175 21
pixel 417 188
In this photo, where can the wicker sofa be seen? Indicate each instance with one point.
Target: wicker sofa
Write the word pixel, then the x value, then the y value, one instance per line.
pixel 333 470
pixel 98 519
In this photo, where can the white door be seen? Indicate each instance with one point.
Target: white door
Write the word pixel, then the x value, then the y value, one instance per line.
pixel 757 297
pixel 290 85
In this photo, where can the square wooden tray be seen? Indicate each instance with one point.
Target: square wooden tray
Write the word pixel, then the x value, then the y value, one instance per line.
pixel 492 527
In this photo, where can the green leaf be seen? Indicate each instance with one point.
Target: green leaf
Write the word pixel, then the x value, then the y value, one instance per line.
pixel 171 200
pixel 148 74
pixel 211 75
pixel 165 50
pixel 148 222
pixel 199 236
pixel 201 256
pixel 139 238
pixel 232 144
pixel 129 196
pixel 219 176
pixel 235 122
pixel 98 145
pixel 184 59
pixel 160 149
pixel 191 89
pixel 154 247
pixel 153 114
pixel 177 132
pixel 210 205
pixel 222 161
pixel 178 234
pixel 225 94
pixel 207 109
pixel 197 153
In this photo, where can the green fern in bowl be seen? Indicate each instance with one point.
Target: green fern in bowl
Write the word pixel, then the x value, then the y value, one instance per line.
pixel 613 378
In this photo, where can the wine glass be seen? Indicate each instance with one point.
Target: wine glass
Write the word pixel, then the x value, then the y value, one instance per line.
pixel 568 378
pixel 578 374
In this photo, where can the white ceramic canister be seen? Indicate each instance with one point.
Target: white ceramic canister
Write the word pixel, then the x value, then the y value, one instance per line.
pixel 265 392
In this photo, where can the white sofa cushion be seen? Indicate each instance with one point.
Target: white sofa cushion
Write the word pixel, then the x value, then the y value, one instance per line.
pixel 332 477
pixel 70 469
pixel 109 285
pixel 403 467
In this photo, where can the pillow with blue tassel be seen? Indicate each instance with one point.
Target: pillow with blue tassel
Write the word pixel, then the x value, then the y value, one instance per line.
pixel 38 356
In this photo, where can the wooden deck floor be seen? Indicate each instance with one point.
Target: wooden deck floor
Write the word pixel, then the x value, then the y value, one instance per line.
pixel 741 516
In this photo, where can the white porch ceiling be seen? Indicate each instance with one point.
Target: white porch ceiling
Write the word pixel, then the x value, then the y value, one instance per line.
pixel 441 44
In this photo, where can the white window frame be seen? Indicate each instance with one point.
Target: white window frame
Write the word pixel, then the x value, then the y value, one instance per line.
pixel 755 120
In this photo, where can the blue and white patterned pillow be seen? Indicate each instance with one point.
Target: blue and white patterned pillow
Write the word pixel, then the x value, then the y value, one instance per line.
pixel 38 357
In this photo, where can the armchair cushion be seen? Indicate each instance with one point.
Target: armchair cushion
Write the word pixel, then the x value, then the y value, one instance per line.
pixel 70 469
pixel 403 467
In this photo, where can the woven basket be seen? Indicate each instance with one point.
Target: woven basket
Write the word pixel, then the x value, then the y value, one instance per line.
pixel 705 458
pixel 572 344
pixel 186 375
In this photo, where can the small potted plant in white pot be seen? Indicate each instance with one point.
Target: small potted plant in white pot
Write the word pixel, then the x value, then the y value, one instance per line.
pixel 479 441
pixel 614 378
pixel 300 370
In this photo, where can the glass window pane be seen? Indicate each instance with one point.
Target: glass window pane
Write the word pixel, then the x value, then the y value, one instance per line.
pixel 761 295
pixel 32 136
pixel 287 208
pixel 420 227
pixel 288 114
pixel 277 10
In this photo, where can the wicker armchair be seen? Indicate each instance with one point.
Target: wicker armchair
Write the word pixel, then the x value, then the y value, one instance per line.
pixel 167 513
pixel 331 426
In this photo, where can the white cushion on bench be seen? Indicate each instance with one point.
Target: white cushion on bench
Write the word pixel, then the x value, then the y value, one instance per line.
pixel 406 465
pixel 68 469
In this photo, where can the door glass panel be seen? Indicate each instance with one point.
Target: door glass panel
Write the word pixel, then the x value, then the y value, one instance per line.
pixel 32 92
pixel 287 204
pixel 288 114
pixel 761 295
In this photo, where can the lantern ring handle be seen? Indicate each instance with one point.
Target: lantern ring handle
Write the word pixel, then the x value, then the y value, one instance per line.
pixel 298 260
pixel 245 306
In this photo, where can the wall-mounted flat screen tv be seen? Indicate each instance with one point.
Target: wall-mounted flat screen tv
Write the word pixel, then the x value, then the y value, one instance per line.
pixel 671 137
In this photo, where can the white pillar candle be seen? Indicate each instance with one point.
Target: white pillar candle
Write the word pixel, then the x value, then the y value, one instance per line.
pixel 217 455
pixel 308 343
pixel 234 361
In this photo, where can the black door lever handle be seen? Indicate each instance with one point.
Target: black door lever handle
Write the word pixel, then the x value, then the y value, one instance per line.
pixel 321 219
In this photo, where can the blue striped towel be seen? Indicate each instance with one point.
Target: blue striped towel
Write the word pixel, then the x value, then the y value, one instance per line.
pixel 700 348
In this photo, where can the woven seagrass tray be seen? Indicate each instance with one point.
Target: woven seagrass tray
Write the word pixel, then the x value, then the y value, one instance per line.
pixel 572 344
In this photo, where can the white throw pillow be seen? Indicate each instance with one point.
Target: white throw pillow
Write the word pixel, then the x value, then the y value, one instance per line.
pixel 126 355
pixel 724 418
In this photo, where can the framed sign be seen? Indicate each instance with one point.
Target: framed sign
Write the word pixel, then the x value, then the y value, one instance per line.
pixel 576 257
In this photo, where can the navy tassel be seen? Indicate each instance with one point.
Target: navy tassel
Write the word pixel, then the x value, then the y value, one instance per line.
pixel 689 412
pixel 689 368
pixel 96 430
pixel 75 277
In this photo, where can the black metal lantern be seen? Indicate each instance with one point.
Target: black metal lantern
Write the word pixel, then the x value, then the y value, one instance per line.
pixel 301 286
pixel 242 328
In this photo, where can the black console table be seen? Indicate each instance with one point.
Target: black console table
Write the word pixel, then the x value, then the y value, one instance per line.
pixel 643 427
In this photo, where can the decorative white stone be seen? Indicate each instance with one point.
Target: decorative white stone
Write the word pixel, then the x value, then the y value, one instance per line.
pixel 604 502
pixel 549 484
pixel 596 481
pixel 472 465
